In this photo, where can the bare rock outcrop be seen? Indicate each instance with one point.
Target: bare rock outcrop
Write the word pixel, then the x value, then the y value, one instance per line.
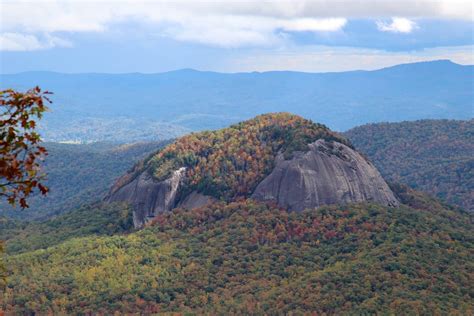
pixel 329 173
pixel 148 196
pixel 195 200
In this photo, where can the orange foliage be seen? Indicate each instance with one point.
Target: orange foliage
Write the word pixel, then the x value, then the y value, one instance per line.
pixel 230 162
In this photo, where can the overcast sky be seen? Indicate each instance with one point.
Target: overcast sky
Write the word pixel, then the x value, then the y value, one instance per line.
pixel 230 36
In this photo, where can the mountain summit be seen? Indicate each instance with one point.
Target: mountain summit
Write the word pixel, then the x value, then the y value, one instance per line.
pixel 280 157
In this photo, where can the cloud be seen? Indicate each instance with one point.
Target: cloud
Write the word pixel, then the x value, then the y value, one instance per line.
pixel 231 25
pixel 398 25
pixel 26 42
pixel 315 25
pixel 220 23
pixel 238 31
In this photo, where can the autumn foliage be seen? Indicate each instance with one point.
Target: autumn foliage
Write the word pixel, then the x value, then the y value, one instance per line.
pixel 230 162
pixel 20 149
pixel 250 258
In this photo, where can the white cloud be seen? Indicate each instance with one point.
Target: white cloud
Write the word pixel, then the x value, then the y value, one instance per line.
pixel 316 25
pixel 222 23
pixel 18 42
pixel 223 36
pixel 398 25
pixel 235 31
pixel 230 24
pixel 26 42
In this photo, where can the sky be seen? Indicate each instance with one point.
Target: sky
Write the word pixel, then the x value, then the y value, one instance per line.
pixel 77 36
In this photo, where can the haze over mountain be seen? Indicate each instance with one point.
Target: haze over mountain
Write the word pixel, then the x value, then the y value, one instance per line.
pixel 128 107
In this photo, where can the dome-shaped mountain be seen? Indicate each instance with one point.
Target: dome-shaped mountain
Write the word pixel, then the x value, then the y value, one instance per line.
pixel 274 157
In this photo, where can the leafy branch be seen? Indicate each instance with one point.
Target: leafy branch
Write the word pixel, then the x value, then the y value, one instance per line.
pixel 20 145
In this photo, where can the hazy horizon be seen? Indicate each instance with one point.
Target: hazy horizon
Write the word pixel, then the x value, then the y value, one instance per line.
pixel 236 72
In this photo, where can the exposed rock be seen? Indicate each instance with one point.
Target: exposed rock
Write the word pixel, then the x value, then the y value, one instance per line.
pixel 329 173
pixel 195 200
pixel 147 196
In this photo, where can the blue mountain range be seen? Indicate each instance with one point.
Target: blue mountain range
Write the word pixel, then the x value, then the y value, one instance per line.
pixel 135 106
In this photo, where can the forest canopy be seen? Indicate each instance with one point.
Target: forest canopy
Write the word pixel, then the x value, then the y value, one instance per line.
pixel 248 257
pixel 230 162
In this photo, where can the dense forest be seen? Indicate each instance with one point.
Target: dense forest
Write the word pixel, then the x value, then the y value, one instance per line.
pixel 79 174
pixel 435 156
pixel 248 257
pixel 92 219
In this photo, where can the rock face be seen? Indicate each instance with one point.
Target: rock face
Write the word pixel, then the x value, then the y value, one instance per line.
pixel 329 173
pixel 147 196
pixel 195 200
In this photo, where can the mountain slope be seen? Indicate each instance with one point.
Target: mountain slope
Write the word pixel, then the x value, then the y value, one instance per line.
pixel 93 219
pixel 436 156
pixel 79 175
pixel 247 257
pixel 204 100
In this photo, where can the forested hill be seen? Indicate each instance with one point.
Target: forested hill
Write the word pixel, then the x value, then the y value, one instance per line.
pixel 248 258
pixel 230 162
pixel 164 105
pixel 79 174
pixel 435 156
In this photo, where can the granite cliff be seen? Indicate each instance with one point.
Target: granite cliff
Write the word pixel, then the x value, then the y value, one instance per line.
pixel 280 158
pixel 328 173
pixel 147 196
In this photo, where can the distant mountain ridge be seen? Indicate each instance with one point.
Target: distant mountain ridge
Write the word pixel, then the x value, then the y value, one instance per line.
pixel 172 103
